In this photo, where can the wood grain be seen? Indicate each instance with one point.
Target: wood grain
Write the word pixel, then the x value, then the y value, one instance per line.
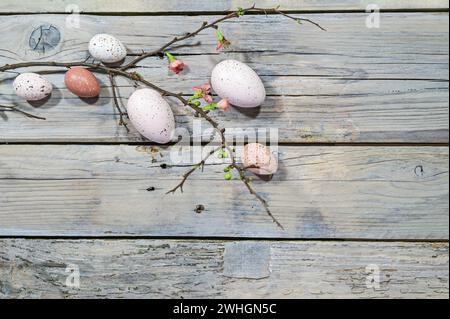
pixel 194 269
pixel 318 192
pixel 161 6
pixel 335 86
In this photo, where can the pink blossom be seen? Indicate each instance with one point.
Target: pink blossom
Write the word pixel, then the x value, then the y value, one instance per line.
pixel 204 92
pixel 224 105
pixel 205 88
pixel 176 66
pixel 224 44
pixel 208 98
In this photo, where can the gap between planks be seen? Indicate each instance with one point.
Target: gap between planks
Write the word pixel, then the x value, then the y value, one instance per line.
pixel 295 144
pixel 212 13
pixel 227 239
pixel 208 7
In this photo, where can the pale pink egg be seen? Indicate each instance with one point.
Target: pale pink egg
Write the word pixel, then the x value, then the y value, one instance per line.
pixel 151 115
pixel 238 83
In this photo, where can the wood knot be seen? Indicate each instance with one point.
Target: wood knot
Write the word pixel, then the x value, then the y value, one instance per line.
pixel 199 209
pixel 419 171
pixel 44 38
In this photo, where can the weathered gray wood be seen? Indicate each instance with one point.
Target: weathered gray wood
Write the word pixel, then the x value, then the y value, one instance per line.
pixel 193 269
pixel 152 6
pixel 335 86
pixel 318 192
pixel 351 84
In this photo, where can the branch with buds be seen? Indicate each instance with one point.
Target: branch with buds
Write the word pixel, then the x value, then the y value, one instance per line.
pixel 176 66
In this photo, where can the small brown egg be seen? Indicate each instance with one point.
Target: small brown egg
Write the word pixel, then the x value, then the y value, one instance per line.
pixel 82 82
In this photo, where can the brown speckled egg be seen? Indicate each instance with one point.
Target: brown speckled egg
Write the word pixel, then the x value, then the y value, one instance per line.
pixel 82 82
pixel 238 83
pixel 259 160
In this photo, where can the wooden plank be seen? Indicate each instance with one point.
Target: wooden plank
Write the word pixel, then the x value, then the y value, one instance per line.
pixel 318 192
pixel 406 46
pixel 336 86
pixel 160 6
pixel 365 111
pixel 198 269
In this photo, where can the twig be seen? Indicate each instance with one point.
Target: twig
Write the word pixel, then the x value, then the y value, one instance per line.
pixel 276 11
pixel 247 183
pixel 4 108
pixel 192 170
pixel 116 103
pixel 206 25
pixel 138 78
pixel 123 71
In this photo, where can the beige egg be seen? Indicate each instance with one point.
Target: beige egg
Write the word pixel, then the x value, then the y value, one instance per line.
pixel 258 159
pixel 238 83
pixel 106 48
pixel 32 86
pixel 151 115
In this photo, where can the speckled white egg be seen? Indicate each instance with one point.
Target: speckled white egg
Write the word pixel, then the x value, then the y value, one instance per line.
pixel 106 48
pixel 258 159
pixel 32 86
pixel 238 83
pixel 151 115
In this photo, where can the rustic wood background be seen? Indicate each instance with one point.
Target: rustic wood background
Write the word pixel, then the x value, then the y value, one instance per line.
pixel 363 125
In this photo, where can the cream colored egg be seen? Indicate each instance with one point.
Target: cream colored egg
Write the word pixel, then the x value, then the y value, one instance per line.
pixel 106 48
pixel 32 86
pixel 238 83
pixel 258 159
pixel 151 115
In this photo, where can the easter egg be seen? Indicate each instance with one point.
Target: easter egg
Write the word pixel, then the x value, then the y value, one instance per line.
pixel 107 49
pixel 32 86
pixel 259 160
pixel 82 82
pixel 238 83
pixel 151 115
